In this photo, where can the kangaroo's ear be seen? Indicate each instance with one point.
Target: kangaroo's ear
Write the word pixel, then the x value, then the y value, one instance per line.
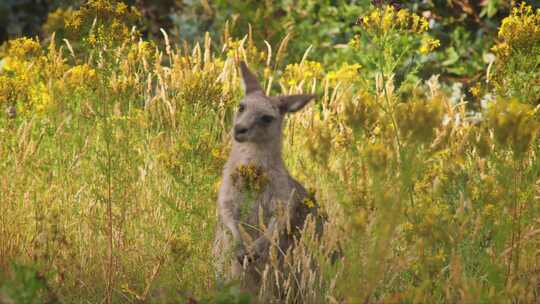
pixel 251 84
pixel 293 103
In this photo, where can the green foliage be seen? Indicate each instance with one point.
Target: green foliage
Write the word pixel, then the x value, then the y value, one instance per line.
pixel 230 294
pixel 26 285
pixel 112 149
pixel 18 17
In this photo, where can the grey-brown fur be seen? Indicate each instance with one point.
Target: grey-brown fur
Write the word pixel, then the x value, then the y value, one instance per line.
pixel 249 219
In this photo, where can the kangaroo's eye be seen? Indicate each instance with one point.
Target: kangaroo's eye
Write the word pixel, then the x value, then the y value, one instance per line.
pixel 241 108
pixel 267 119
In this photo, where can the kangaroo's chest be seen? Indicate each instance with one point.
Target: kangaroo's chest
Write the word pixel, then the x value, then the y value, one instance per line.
pixel 268 196
pixel 257 201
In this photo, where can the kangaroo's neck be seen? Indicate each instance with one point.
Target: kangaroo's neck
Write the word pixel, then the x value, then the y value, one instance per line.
pixel 266 155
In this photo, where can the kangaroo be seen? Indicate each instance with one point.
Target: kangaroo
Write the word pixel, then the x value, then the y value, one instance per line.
pixel 259 203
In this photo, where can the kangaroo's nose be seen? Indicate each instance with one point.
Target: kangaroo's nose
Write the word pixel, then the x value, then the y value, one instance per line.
pixel 239 130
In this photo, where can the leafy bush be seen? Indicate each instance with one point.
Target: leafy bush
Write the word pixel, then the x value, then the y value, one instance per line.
pixel 26 285
pixel 112 148
pixel 18 17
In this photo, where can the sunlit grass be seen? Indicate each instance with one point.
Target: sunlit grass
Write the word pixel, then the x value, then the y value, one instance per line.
pixel 110 169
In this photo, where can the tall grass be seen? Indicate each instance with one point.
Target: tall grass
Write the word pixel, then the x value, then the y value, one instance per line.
pixel 110 169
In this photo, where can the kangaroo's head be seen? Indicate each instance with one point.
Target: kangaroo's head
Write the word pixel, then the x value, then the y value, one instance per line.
pixel 259 118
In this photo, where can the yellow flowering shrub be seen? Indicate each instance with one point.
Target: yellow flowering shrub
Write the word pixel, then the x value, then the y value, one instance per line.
pixel 419 119
pixel 9 90
pixel 347 73
pixel 517 51
pixel 65 23
pixel 521 30
pixel 244 49
pixel 319 141
pixel 388 18
pixel 20 82
pixel 39 97
pixel 431 197
pixel 22 48
pixel 391 34
pixel 302 73
pixel 81 75
pixel 98 23
pixel 514 124
pixel 378 157
pixel 361 113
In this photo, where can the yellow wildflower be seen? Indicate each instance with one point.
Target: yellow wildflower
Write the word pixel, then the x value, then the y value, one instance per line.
pixel 376 17
pixel 517 52
pixel 250 178
pixel 39 96
pixel 475 90
pixel 415 23
pixel 407 227
pixel 121 8
pixel 428 44
pixel 309 202
pixel 402 18
pixel 346 73
pixel 23 47
pixel 520 30
pixel 299 72
pixel 522 27
pixel 365 19
pixel 7 89
pixel 384 19
pixel 489 209
pixel 81 74
pixel 74 21
pixel 424 25
pixel 387 18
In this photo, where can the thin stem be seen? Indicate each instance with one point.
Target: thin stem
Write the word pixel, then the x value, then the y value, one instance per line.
pixel 392 118
pixel 516 226
pixel 389 109
pixel 110 226
pixel 108 201
pixel 517 212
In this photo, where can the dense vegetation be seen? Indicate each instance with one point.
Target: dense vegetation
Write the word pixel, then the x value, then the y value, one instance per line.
pixel 422 147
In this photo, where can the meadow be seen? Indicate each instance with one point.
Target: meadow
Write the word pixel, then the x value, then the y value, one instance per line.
pixel 112 145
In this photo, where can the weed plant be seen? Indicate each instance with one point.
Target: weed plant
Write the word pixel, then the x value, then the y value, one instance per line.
pixel 112 148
